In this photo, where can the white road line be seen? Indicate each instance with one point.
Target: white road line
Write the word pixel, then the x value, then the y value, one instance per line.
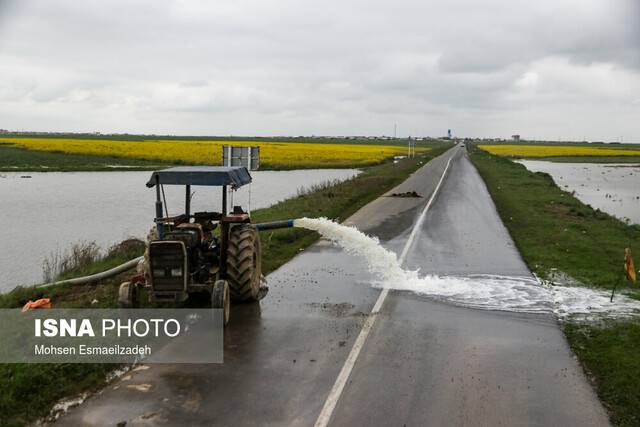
pixel 423 214
pixel 345 372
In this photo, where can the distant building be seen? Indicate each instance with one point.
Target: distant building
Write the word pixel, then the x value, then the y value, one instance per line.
pixel 515 137
pixel 2 131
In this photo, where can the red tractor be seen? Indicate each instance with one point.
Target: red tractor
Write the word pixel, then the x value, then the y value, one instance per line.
pixel 202 252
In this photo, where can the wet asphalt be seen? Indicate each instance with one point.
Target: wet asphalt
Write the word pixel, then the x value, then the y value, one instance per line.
pixel 425 363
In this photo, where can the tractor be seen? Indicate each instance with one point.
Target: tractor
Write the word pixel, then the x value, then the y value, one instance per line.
pixel 217 253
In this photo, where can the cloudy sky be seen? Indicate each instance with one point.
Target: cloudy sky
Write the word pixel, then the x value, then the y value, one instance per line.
pixel 549 69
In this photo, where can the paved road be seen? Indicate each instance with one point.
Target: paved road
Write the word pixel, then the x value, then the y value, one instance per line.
pixel 423 363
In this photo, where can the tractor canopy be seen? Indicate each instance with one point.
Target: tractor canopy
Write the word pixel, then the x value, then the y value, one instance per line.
pixel 234 176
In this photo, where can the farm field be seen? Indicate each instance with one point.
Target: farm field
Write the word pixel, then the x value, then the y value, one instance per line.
pixel 274 154
pixel 568 153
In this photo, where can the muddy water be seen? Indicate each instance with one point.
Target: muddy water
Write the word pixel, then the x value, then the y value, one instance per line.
pixel 50 211
pixel 614 189
pixel 488 292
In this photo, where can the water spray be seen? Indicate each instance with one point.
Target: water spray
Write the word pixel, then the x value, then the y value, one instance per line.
pixel 523 294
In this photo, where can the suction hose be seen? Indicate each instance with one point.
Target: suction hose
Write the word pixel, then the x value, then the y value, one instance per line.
pixel 132 263
pixel 98 276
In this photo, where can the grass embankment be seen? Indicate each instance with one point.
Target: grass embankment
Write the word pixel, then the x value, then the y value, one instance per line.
pixel 610 354
pixel 15 159
pixel 28 391
pixel 552 229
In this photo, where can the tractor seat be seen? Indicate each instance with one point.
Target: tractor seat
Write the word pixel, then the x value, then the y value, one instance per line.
pixel 193 226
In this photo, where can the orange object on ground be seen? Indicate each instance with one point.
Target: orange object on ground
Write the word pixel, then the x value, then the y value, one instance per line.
pixel 41 303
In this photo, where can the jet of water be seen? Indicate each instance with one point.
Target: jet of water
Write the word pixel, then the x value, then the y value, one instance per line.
pixel 490 292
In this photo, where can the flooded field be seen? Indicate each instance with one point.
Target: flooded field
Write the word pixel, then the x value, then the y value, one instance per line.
pixel 47 212
pixel 612 188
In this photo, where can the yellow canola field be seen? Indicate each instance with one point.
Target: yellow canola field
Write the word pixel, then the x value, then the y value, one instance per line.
pixel 555 151
pixel 278 155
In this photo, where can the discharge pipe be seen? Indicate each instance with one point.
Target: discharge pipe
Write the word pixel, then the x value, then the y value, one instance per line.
pixel 98 276
pixel 275 224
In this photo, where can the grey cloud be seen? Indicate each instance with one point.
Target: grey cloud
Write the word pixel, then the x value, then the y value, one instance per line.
pixel 586 31
pixel 302 66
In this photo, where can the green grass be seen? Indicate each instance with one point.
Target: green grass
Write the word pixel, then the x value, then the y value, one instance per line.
pixel 103 295
pixel 552 229
pixel 14 159
pixel 28 391
pixel 610 354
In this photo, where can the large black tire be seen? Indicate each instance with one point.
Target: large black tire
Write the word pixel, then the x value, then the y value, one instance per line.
pixel 244 265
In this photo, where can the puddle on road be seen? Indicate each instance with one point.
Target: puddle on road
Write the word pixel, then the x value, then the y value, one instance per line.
pixel 515 294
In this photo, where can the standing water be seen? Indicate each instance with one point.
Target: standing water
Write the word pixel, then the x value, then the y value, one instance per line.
pixel 516 294
pixel 612 188
pixel 47 212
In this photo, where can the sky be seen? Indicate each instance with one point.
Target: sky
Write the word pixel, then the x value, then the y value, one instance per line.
pixel 544 69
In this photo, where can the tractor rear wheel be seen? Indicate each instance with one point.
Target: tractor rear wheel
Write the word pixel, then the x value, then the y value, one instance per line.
pixel 244 269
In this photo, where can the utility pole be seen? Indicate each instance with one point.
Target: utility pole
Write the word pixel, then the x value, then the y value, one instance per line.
pixel 395 130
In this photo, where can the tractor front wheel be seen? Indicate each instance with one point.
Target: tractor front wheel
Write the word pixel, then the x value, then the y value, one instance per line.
pixel 244 264
pixel 221 300
pixel 128 295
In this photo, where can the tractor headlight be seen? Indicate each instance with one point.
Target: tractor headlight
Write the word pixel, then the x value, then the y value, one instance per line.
pixel 158 272
pixel 176 272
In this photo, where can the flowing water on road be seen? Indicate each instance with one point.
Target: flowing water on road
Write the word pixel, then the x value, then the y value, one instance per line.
pixel 515 294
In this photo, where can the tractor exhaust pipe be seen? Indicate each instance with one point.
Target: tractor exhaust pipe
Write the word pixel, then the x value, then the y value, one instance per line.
pixel 274 225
